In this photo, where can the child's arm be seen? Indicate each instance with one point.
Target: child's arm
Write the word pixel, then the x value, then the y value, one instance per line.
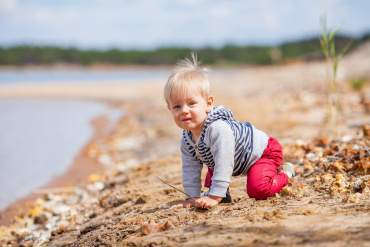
pixel 191 173
pixel 220 138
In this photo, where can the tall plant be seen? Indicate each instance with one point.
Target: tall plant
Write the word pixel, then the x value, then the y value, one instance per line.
pixel 332 57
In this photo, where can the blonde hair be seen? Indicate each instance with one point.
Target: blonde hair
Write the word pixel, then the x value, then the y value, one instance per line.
pixel 189 76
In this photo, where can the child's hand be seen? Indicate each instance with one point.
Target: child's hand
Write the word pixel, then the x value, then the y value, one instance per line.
pixel 207 201
pixel 189 204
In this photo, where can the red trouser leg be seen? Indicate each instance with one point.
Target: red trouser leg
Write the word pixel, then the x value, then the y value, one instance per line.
pixel 208 180
pixel 263 181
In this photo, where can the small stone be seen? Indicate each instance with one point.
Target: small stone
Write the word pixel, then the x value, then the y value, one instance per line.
pixel 366 130
pixel 94 178
pixel 26 243
pixel 40 218
pixel 142 199
pixel 351 198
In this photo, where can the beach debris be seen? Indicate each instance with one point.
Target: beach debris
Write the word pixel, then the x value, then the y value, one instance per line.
pixel 293 188
pixel 94 178
pixel 41 218
pixel 362 184
pixel 352 198
pixel 153 227
pixel 105 159
pixel 339 185
pixel 96 186
pixel 128 164
pixel 366 130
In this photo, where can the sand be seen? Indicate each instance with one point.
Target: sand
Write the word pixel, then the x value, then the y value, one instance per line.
pixel 124 204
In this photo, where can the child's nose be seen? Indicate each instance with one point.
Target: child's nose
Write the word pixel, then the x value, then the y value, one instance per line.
pixel 185 109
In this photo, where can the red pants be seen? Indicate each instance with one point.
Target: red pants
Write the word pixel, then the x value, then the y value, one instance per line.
pixel 262 179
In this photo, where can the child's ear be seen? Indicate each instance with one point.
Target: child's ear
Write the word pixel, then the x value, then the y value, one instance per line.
pixel 209 103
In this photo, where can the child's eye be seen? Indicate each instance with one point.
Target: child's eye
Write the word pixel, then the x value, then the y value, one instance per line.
pixel 176 107
pixel 191 103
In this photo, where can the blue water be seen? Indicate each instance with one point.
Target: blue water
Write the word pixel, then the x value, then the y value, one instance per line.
pixel 40 138
pixel 86 75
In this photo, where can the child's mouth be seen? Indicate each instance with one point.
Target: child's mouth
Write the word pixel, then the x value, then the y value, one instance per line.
pixel 186 119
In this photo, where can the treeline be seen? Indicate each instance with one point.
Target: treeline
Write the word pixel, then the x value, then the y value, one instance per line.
pixel 308 49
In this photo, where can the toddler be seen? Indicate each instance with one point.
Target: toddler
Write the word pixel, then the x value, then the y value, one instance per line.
pixel 213 138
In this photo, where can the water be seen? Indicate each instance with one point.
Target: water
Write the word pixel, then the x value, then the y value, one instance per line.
pixel 88 76
pixel 40 138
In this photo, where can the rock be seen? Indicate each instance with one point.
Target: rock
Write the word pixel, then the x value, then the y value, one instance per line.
pixel 114 200
pixel 40 218
pixel 312 201
pixel 118 180
pixel 326 179
pixel 341 181
pixel 362 184
pixel 97 186
pixel 105 159
pixel 142 199
pixel 94 178
pixel 351 198
pixel 28 243
pixel 366 130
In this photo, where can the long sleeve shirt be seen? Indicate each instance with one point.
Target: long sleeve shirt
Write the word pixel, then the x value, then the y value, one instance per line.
pixel 228 146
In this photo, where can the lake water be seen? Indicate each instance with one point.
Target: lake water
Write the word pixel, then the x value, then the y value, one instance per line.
pixel 40 137
pixel 87 75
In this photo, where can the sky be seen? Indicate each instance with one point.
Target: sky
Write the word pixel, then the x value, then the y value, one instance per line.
pixel 151 24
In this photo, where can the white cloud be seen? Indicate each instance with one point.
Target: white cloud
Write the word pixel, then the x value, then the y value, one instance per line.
pixel 220 11
pixel 191 2
pixel 8 5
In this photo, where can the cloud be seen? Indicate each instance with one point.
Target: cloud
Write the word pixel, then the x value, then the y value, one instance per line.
pixel 8 5
pixel 220 11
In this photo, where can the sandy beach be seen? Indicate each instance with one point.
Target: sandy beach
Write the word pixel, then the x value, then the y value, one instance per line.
pixel 111 195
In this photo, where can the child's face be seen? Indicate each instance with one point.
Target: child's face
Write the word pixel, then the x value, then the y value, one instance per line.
pixel 190 111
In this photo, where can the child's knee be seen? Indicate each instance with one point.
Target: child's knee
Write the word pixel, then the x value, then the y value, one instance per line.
pixel 261 191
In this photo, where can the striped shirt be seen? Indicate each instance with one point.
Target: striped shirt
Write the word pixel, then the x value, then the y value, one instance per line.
pixel 228 146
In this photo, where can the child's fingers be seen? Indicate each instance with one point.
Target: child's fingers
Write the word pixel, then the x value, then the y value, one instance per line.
pixel 187 205
pixel 177 206
pixel 200 204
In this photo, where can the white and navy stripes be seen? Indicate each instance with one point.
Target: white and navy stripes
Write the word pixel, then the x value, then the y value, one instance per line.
pixel 243 134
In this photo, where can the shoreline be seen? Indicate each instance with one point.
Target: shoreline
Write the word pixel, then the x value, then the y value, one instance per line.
pixel 76 175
